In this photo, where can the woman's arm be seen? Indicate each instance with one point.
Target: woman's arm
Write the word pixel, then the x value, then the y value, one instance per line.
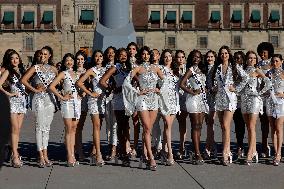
pixel 53 89
pixel 25 80
pixel 83 78
pixel 3 78
pixel 106 76
pixel 183 84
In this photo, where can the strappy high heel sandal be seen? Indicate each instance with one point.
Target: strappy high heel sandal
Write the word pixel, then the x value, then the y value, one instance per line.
pixel 99 161
pixel 152 167
pixel 198 159
pixel 227 159
pixel 277 160
pixel 18 164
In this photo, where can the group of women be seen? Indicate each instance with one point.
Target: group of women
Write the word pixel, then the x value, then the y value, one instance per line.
pixel 147 86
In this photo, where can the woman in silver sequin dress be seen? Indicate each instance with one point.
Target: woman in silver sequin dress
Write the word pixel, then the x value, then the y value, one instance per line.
pixel 17 96
pixel 170 71
pixel 111 124
pixel 147 99
pixel 96 102
pixel 194 84
pixel 81 60
pixel 225 74
pixel 210 149
pixel 265 50
pixel 251 102
pixel 181 117
pixel 275 105
pixel 43 102
pixel 70 103
pixel 118 73
pixel 132 49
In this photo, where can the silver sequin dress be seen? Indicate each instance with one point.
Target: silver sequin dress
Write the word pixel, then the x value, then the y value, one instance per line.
pixel 251 102
pixel 173 92
pixel 84 100
pixel 197 103
pixel 182 94
pixel 97 105
pixel 225 99
pixel 17 103
pixel 43 103
pixel 147 80
pixel 275 105
pixel 70 108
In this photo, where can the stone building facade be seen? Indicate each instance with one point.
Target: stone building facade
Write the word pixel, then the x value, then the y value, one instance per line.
pixel 68 25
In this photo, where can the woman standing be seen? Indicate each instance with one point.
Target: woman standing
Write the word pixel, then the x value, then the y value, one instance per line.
pixel 169 70
pixel 144 100
pixel 275 106
pixel 119 72
pixel 239 59
pixel 81 60
pixel 17 96
pixel 193 83
pixel 265 50
pixel 181 117
pixel 225 75
pixel 111 124
pixel 132 49
pixel 252 104
pixel 96 102
pixel 210 149
pixel 43 103
pixel 70 103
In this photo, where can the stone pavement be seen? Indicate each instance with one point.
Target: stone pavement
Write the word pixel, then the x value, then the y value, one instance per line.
pixel 181 175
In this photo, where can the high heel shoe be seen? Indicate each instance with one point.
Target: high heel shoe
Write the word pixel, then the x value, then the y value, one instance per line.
pixel 152 167
pixel 99 161
pixel 19 164
pixel 198 159
pixel 277 160
pixel 267 153
pixel 227 159
pixel 254 158
pixel 181 155
pixel 70 164
pixel 170 161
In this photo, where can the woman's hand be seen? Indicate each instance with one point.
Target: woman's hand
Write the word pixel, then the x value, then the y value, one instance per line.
pixel 279 94
pixel 95 95
pixel 40 88
pixel 16 94
pixel 232 88
pixel 67 97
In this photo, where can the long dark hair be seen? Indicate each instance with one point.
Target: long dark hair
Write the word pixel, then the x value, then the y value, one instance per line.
pixel 127 63
pixel 6 59
pixel 245 64
pixel 152 55
pixel 50 59
pixel 231 61
pixel 201 65
pixel 174 65
pixel 106 60
pixel 144 48
pixel 36 54
pixel 93 62
pixel 82 53
pixel 63 67
pixel 11 69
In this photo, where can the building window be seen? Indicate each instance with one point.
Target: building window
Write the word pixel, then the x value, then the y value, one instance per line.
pixel 274 39
pixel 154 20
pixel 202 42
pixel 140 42
pixel 171 17
pixel 171 42
pixel 237 41
pixel 215 16
pixel 255 16
pixel 186 17
pixel 236 16
pixel 29 44
pixel 28 20
pixel 87 17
